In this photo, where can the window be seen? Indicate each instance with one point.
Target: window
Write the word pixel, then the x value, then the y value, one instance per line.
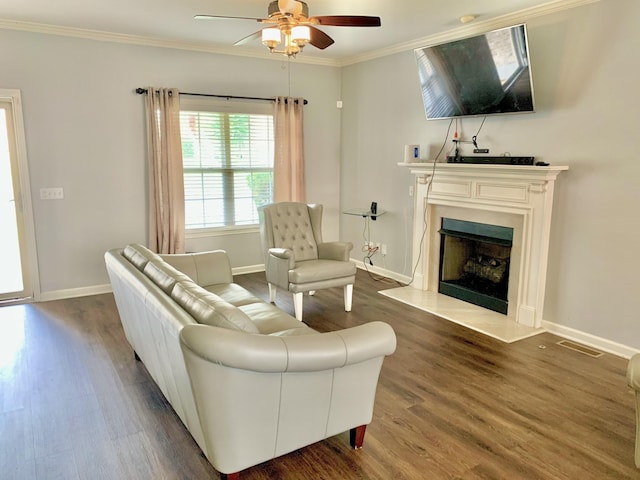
pixel 228 163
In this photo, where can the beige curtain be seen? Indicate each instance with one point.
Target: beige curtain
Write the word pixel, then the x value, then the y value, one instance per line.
pixel 288 166
pixel 166 181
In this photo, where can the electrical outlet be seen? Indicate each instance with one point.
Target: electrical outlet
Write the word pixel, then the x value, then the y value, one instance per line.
pixel 377 246
pixel 51 193
pixel 383 249
pixel 370 245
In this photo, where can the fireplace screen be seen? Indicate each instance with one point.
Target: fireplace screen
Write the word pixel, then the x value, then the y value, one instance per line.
pixel 474 263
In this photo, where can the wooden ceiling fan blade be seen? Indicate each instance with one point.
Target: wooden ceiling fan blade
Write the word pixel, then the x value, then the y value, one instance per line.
pixel 347 21
pixel 319 39
pixel 249 38
pixel 225 17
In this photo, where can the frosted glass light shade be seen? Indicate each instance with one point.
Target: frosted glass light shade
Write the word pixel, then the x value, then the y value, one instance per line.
pixel 271 37
pixel 301 34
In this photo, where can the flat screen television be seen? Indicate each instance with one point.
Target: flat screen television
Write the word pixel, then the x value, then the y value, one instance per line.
pixel 486 74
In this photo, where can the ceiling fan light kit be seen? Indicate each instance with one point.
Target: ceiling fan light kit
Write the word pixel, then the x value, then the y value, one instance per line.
pixel 290 19
pixel 295 39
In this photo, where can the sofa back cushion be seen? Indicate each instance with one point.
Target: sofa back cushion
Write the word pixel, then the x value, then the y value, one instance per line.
pixel 164 275
pixel 204 268
pixel 209 309
pixel 139 255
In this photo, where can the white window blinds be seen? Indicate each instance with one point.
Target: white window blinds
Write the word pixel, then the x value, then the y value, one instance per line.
pixel 228 166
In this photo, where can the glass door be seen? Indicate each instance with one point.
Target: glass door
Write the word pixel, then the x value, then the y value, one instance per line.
pixel 14 278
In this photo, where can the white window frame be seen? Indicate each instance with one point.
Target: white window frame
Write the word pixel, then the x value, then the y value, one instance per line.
pixel 208 104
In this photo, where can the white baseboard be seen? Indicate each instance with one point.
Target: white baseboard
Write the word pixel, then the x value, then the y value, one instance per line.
pixel 382 271
pixel 590 340
pixel 74 292
pixel 247 269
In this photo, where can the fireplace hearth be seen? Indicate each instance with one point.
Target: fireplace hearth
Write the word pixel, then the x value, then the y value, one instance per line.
pixel 474 263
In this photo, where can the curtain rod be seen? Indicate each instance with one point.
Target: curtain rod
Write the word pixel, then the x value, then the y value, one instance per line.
pixel 141 91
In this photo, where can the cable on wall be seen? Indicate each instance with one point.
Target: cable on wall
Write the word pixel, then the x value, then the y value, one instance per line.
pixel 425 216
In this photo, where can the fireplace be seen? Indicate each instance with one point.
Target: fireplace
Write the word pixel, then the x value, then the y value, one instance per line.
pixel 515 201
pixel 474 263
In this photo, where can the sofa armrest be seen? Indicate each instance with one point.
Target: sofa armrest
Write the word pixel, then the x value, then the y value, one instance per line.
pixel 303 353
pixel 335 250
pixel 204 268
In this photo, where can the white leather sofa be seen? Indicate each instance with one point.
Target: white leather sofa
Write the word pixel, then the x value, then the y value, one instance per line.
pixel 249 381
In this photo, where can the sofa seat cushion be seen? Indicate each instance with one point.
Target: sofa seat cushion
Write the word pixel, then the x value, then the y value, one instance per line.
pixel 208 308
pixel 270 319
pixel 233 293
pixel 318 270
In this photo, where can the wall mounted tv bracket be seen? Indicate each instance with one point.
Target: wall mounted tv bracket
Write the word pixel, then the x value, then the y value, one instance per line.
pixel 374 210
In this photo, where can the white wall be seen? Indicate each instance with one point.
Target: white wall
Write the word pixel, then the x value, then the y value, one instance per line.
pixel 85 132
pixel 585 73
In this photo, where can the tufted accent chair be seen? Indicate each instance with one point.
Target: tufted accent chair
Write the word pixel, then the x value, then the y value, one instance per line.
pixel 296 258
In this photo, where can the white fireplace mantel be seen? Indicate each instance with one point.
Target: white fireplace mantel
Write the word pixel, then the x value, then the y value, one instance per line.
pixel 516 196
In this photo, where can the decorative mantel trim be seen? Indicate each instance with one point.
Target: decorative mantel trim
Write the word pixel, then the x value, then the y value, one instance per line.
pixel 509 193
pixel 484 170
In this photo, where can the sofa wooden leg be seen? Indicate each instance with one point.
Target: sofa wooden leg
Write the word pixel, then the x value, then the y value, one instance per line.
pixel 356 436
pixel 230 476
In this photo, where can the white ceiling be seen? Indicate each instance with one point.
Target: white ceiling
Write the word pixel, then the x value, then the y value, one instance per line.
pixel 171 21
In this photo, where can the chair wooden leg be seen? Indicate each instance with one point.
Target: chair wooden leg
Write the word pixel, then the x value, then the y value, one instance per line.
pixel 297 305
pixel 272 293
pixel 356 436
pixel 348 296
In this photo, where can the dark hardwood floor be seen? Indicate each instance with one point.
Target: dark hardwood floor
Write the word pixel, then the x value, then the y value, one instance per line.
pixel 451 403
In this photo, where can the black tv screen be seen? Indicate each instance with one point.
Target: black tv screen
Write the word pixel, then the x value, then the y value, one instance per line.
pixel 486 74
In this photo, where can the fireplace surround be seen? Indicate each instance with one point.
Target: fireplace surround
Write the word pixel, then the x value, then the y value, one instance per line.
pixel 515 197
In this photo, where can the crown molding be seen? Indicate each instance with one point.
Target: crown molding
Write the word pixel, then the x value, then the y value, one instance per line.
pixel 520 16
pixel 103 36
pixel 475 28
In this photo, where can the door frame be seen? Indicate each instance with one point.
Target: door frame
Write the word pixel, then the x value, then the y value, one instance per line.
pixel 13 97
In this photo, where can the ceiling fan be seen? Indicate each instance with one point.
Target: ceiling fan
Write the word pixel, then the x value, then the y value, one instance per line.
pixel 290 18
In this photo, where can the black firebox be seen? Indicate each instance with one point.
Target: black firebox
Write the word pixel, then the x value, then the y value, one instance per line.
pixel 474 263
